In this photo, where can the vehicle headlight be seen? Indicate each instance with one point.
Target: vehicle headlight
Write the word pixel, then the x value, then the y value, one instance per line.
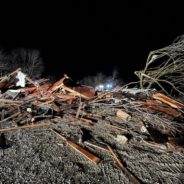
pixel 109 86
pixel 100 87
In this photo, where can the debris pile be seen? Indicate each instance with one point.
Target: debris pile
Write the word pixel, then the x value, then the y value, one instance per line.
pixel 103 121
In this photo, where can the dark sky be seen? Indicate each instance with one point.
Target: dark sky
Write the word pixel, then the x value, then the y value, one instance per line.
pixel 78 37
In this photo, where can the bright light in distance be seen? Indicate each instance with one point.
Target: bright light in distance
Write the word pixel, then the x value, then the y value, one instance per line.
pixel 109 86
pixel 100 87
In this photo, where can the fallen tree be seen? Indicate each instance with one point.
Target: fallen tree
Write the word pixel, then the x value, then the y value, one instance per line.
pixel 165 68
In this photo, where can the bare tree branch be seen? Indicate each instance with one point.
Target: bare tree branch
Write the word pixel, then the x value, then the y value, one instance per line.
pixel 165 67
pixel 28 60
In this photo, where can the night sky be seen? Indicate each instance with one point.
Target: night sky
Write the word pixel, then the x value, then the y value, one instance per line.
pixel 78 37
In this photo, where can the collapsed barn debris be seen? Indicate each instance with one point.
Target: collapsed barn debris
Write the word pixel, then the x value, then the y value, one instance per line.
pixel 133 117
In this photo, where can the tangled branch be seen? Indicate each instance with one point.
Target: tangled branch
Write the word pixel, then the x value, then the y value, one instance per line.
pixel 165 67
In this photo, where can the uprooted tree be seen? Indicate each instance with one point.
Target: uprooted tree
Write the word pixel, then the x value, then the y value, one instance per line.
pixel 165 68
pixel 28 60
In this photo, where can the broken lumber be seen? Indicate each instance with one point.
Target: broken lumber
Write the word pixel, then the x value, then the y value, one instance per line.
pixel 76 93
pixel 5 80
pixel 163 98
pixel 79 108
pixel 85 90
pixel 10 117
pixel 131 178
pixel 25 126
pixel 58 84
pixel 8 101
pixel 92 145
pixel 162 108
pixel 79 149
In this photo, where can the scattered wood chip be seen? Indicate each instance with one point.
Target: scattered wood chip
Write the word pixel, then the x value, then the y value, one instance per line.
pixel 123 115
pixel 121 139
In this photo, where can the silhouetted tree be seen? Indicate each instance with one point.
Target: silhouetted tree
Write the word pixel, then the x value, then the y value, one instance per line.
pixel 28 60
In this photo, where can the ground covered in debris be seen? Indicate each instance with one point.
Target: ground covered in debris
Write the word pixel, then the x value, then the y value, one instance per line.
pixel 51 133
pixel 38 156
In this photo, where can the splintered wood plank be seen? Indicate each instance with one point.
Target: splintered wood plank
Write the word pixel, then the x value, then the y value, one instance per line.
pixel 25 126
pixel 79 149
pixel 129 175
pixel 84 152
pixel 168 100
pixel 160 107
